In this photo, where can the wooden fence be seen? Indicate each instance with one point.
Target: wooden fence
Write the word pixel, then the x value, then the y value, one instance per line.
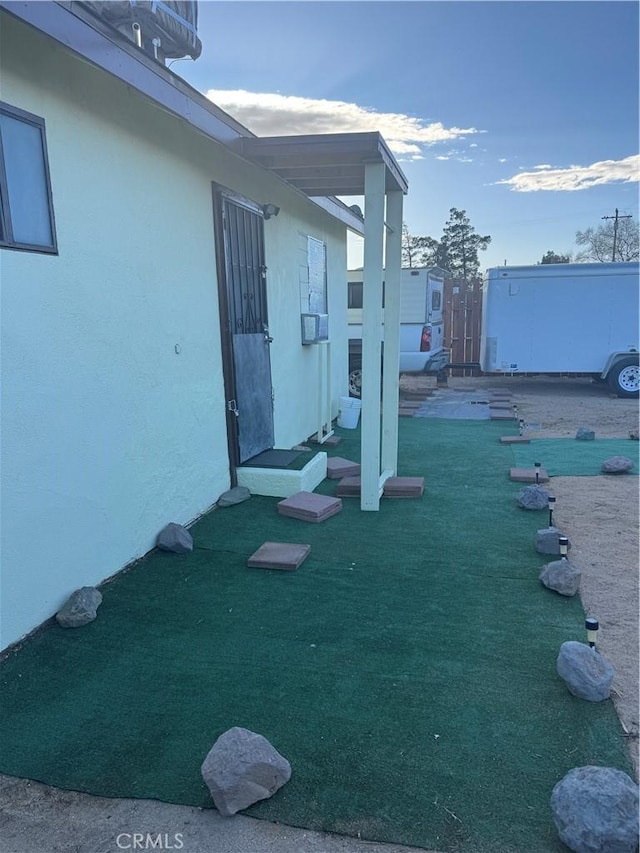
pixel 462 321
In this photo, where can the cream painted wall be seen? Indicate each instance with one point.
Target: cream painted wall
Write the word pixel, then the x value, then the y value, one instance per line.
pixel 295 367
pixel 107 432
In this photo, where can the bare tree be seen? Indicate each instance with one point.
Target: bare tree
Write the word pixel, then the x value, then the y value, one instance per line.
pixel 598 242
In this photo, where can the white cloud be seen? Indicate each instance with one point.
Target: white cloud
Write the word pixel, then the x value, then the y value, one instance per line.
pixel 502 159
pixel 272 114
pixel 442 157
pixel 406 148
pixel 574 178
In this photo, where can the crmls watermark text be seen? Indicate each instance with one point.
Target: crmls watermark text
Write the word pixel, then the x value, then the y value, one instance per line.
pixel 149 841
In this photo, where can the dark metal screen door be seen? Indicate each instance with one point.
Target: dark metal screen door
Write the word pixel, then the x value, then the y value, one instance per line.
pixel 248 323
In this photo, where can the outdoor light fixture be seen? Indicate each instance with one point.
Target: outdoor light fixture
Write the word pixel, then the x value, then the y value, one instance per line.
pixel 551 504
pixel 591 624
pixel 269 210
pixel 563 542
pixel 537 465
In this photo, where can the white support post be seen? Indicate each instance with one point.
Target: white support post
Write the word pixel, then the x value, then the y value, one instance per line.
pixel 374 198
pixel 324 392
pixel 390 374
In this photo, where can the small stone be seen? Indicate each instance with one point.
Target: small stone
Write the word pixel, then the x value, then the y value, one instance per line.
pixel 616 465
pixel 547 541
pixel 595 810
pixel 234 496
pixel 587 674
pixel 174 537
pixel 585 434
pixel 80 608
pixel 533 497
pixel 241 768
pixel 561 576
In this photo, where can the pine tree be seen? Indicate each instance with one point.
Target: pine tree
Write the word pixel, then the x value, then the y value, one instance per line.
pixel 460 246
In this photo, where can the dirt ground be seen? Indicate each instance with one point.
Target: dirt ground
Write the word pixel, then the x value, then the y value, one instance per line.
pixel 598 514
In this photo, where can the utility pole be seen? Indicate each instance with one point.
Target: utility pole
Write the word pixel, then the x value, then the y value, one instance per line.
pixel 615 230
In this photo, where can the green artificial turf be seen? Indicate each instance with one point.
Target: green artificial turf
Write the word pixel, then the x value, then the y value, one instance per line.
pixel 406 669
pixel 567 457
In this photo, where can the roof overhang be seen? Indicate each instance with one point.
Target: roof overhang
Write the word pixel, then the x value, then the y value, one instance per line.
pixel 336 161
pixel 324 164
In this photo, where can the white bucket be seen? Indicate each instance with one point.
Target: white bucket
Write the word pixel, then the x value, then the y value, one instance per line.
pixel 349 412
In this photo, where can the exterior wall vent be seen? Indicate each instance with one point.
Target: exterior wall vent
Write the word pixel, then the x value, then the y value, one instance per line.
pixel 315 328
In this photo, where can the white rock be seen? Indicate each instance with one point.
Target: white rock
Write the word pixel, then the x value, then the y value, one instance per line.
pixel 561 576
pixel 595 810
pixel 174 537
pixel 242 768
pixel 80 608
pixel 585 671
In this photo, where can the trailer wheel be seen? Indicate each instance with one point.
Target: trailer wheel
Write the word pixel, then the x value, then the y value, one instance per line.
pixel 624 377
pixel 355 377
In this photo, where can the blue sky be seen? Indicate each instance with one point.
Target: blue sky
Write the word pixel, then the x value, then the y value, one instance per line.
pixel 525 114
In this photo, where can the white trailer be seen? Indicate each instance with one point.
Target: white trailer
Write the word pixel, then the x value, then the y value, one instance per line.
pixel 563 318
pixel 421 323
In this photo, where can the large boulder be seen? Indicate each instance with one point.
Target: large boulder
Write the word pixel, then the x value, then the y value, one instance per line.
pixel 616 465
pixel 587 674
pixel 595 810
pixel 533 497
pixel 241 768
pixel 561 576
pixel 80 608
pixel 174 537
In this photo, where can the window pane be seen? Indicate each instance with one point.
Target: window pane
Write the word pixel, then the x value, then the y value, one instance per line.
pixel 26 182
pixel 355 294
pixel 317 263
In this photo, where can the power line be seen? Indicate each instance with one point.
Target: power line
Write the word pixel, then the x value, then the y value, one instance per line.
pixel 615 229
pixel 503 223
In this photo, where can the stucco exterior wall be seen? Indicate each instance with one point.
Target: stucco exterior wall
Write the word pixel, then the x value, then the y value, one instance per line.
pixel 295 368
pixel 113 404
